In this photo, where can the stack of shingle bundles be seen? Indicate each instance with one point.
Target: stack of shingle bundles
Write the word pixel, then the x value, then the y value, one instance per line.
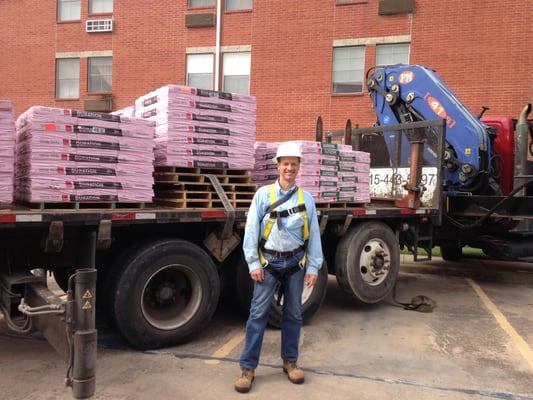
pixel 354 170
pixel 75 156
pixel 125 112
pixel 200 128
pixel 318 171
pixel 265 168
pixel 7 151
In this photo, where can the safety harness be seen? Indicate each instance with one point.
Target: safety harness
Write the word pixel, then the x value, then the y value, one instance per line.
pixel 275 217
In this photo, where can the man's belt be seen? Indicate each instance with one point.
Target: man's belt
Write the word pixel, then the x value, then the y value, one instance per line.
pixel 285 254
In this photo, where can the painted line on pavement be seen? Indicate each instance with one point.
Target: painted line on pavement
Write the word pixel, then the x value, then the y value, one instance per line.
pixel 518 341
pixel 492 394
pixel 227 348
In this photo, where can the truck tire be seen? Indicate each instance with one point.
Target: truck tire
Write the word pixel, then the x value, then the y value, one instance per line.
pixel 451 252
pixel 162 293
pixel 312 298
pixel 367 262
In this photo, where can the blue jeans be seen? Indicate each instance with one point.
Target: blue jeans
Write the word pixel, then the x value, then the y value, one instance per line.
pixel 260 308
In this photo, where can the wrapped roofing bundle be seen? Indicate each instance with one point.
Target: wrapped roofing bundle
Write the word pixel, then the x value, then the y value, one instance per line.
pixel 76 156
pixel 200 128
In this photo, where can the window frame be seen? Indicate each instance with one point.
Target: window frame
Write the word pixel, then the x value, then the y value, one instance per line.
pixel 191 7
pixel 236 10
pixel 89 76
pixel 335 93
pixel 57 79
pixel 103 12
pixel 393 44
pixel 212 68
pixel 249 69
pixel 58 4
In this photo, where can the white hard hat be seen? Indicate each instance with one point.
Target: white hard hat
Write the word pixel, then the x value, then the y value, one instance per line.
pixel 288 149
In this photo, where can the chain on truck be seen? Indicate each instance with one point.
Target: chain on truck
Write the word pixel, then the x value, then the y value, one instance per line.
pixel 439 176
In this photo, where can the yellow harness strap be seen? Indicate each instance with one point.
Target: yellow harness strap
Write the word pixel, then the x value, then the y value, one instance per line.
pixel 271 221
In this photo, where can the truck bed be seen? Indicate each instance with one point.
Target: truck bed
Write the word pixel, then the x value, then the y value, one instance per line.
pixel 20 215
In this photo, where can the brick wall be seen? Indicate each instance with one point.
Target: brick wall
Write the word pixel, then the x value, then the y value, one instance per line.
pixel 481 48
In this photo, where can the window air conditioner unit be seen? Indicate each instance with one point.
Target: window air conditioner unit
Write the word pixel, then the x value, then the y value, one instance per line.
pixel 99 25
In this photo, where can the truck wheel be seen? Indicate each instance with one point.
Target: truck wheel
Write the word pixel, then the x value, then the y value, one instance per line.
pixel 312 298
pixel 367 262
pixel 163 292
pixel 451 252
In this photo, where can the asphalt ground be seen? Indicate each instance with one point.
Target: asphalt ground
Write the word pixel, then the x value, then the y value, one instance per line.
pixel 476 344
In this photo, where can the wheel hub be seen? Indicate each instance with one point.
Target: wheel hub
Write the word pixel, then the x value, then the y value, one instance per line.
pixel 374 262
pixel 165 294
pixel 171 296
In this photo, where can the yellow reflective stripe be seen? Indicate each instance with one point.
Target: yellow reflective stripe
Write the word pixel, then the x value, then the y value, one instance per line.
pixel 269 224
pixel 268 228
pixel 272 193
pixel 262 259
pixel 305 217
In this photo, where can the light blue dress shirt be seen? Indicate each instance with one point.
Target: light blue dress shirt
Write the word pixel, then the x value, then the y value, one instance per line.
pixel 290 237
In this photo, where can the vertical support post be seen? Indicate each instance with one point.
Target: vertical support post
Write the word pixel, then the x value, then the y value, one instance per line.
pixel 412 200
pixel 83 378
pixel 348 132
pixel 319 131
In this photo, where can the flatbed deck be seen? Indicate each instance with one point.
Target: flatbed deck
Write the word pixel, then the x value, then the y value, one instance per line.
pixel 17 215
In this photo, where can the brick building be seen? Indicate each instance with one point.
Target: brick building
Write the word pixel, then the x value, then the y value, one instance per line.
pixel 300 58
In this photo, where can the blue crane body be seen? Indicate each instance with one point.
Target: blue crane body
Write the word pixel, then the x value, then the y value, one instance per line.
pixel 406 93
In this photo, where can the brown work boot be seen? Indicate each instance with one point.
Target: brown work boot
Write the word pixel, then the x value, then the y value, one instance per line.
pixel 243 384
pixel 295 374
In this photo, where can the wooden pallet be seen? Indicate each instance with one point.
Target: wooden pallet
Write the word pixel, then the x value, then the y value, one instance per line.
pixel 182 174
pixel 180 187
pixel 107 205
pixel 341 205
pixel 166 177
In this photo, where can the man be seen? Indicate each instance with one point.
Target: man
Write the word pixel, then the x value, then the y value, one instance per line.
pixel 281 245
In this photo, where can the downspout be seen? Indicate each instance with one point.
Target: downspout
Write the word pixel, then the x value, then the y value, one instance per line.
pixel 217 45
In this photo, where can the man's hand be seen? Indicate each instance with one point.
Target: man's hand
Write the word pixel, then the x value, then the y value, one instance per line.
pixel 310 280
pixel 258 275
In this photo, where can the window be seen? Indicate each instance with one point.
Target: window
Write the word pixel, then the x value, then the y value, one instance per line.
pixel 348 69
pixel 68 78
pixel 390 54
pixel 200 71
pixel 100 6
pixel 232 5
pixel 68 10
pixel 236 71
pixel 100 74
pixel 201 3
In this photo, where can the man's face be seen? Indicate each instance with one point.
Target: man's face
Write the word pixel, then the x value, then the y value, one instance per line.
pixel 288 168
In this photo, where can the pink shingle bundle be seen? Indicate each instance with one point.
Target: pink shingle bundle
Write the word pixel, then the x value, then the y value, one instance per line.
pixel 74 156
pixel 330 172
pixel 7 151
pixel 125 112
pixel 200 128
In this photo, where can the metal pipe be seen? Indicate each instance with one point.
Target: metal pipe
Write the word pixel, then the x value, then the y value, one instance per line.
pixel 85 334
pixel 217 45
pixel 521 149
pixel 84 365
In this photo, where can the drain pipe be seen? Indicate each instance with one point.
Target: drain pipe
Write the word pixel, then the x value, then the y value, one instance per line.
pixel 217 45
